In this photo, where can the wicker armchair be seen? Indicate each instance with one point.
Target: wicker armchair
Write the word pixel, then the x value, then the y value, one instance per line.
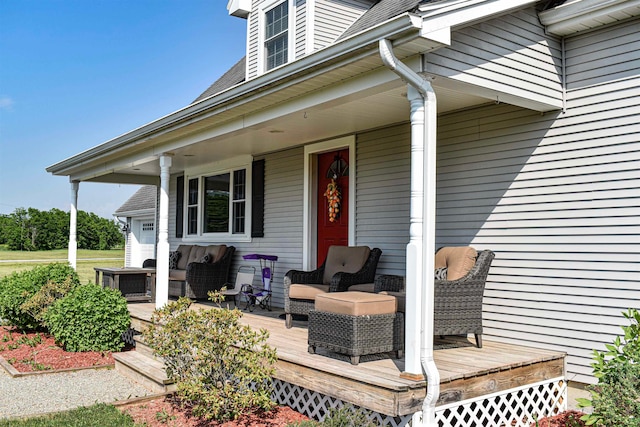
pixel 458 303
pixel 339 282
pixel 203 277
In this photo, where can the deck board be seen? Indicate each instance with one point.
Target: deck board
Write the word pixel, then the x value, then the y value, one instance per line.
pixel 375 383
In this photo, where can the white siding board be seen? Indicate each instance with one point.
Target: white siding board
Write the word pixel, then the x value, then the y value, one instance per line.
pixel 300 28
pixel 333 17
pixel 383 186
pixel 508 54
pixel 556 196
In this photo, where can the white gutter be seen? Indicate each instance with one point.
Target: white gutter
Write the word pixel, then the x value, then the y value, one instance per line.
pixel 582 14
pixel 424 226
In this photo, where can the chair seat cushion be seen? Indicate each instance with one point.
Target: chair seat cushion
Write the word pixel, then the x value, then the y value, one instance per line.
pixel 401 300
pixel 459 260
pixel 177 274
pixel 355 303
pixel 308 292
pixel 363 287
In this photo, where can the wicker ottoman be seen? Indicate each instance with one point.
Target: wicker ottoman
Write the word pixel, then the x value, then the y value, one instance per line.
pixel 356 324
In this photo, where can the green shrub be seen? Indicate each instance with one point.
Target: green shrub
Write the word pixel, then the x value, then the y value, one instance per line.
pixel 39 303
pixel 18 288
pixel 348 416
pixel 89 318
pixel 345 416
pixel 616 398
pixel 222 369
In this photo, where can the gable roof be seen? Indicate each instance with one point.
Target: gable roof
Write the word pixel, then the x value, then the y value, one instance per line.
pixel 379 12
pixel 142 201
pixel 235 75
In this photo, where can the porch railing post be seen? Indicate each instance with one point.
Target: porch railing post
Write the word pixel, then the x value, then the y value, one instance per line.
pixel 72 254
pixel 162 250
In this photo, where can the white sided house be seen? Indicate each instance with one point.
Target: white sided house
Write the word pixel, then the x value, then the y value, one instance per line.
pixel 509 125
pixel 138 216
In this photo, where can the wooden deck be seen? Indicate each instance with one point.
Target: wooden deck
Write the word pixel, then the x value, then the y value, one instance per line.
pixel 465 371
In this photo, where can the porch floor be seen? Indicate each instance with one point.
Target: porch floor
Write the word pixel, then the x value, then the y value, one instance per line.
pixel 466 372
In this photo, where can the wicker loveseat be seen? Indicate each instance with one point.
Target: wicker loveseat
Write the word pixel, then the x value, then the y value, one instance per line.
pixel 458 302
pixel 195 270
pixel 344 267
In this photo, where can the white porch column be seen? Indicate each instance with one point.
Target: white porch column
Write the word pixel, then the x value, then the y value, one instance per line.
pixel 73 225
pixel 414 267
pixel 162 250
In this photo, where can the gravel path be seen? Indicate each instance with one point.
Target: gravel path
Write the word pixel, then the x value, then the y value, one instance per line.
pixel 39 394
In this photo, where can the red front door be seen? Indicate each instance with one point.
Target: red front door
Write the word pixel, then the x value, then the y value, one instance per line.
pixel 333 226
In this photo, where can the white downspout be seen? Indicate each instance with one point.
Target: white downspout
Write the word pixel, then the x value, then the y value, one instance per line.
pixel 425 276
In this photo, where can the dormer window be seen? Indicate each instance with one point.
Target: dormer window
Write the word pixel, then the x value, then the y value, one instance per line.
pixel 277 35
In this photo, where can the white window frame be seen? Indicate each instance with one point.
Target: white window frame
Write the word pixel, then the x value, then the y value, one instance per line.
pixel 262 11
pixel 200 174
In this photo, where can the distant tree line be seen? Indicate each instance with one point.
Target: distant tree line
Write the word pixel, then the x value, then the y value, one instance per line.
pixel 35 230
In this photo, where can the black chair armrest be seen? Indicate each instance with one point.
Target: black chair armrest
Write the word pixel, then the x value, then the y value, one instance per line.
pixel 149 263
pixel 389 283
pixel 341 281
pixel 305 277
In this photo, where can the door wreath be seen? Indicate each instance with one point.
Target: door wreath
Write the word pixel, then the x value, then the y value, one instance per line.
pixel 333 198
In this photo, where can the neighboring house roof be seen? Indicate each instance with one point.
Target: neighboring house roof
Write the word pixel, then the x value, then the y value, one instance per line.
pixel 142 202
pixel 378 13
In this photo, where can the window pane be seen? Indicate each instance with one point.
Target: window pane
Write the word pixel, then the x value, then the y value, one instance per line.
pixel 239 184
pixel 277 38
pixel 193 191
pixel 277 51
pixel 238 217
pixel 277 19
pixel 192 220
pixel 216 204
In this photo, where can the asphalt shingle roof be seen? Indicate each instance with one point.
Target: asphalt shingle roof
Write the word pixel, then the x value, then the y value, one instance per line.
pixel 144 198
pixel 378 13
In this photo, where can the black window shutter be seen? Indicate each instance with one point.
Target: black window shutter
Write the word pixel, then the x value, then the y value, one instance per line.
pixel 179 205
pixel 257 199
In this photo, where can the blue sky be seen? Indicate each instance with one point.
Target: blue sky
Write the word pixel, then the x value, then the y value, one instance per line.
pixel 76 73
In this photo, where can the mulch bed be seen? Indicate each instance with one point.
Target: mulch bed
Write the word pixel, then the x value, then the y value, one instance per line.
pixel 38 352
pixel 167 413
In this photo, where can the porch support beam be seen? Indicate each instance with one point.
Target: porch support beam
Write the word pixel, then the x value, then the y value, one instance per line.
pixel 162 250
pixel 72 253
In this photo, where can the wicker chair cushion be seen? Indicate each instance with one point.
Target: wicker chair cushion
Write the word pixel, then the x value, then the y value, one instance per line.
pixel 355 303
pixel 349 259
pixel 401 300
pixel 458 260
pixel 308 292
pixel 177 274
pixel 362 287
pixel 185 251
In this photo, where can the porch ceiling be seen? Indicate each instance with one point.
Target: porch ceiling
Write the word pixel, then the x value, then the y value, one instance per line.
pixel 298 121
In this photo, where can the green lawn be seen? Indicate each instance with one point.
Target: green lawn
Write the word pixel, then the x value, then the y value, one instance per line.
pixel 98 415
pixel 11 261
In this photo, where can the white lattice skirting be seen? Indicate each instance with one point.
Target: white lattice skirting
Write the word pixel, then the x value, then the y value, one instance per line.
pixel 516 407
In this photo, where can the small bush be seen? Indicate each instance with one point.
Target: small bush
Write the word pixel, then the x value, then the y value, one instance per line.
pixel 89 318
pixel 39 303
pixel 222 369
pixel 345 416
pixel 18 288
pixel 616 398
